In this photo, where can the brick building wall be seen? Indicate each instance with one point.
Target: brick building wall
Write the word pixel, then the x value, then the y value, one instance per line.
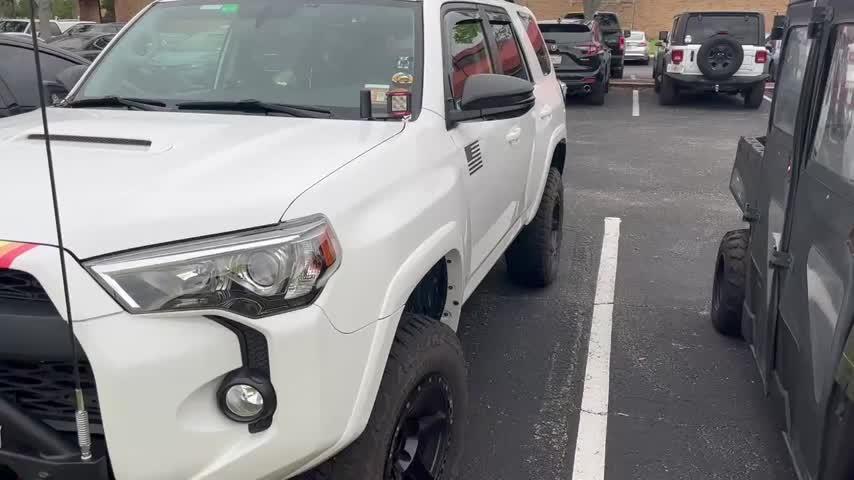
pixel 126 9
pixel 653 16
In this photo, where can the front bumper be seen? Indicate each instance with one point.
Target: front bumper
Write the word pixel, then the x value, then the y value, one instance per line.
pixel 157 377
pixel 699 83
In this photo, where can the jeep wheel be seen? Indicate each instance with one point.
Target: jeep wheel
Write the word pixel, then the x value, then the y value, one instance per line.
pixel 416 426
pixel 729 286
pixel 667 94
pixel 533 259
pixel 754 96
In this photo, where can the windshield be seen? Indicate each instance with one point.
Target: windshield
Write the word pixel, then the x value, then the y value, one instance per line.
pixel 744 28
pixel 320 54
pixel 608 21
pixel 566 33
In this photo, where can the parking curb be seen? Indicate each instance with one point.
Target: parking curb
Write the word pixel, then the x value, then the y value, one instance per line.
pixel 632 83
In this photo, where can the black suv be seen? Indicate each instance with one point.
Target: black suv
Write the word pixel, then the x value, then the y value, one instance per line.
pixel 612 35
pixel 785 282
pixel 580 58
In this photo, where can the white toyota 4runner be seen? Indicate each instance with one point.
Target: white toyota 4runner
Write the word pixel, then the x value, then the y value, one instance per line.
pixel 273 212
pixel 720 52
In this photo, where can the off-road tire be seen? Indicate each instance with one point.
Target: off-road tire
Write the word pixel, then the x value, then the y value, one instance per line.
pixel 597 95
pixel 707 64
pixel 422 347
pixel 754 96
pixel 667 94
pixel 730 284
pixel 531 259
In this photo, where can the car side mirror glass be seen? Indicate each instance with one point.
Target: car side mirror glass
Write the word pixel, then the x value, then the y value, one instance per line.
pixel 662 36
pixel 69 77
pixel 777 34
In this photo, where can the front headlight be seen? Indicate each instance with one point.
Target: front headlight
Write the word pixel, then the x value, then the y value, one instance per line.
pixel 255 273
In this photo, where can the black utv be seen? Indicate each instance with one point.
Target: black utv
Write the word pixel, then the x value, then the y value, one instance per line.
pixel 786 282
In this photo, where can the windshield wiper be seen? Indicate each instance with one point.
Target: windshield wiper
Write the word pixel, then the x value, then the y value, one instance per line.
pixel 112 101
pixel 251 105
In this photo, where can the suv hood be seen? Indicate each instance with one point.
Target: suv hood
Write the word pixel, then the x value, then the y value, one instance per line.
pixel 157 177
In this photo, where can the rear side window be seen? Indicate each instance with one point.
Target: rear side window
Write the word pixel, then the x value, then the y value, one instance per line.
pixel 567 33
pixel 467 49
pixel 532 30
pixel 11 26
pixel 791 79
pixel 744 28
pixel 833 147
pixel 608 21
pixel 509 55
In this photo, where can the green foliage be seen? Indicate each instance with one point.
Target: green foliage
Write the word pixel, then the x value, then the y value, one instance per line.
pixel 63 8
pixel 465 33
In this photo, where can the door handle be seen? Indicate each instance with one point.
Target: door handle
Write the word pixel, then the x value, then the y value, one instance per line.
pixel 514 135
pixel 546 113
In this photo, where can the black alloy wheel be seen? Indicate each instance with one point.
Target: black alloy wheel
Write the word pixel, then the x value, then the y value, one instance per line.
pixel 422 435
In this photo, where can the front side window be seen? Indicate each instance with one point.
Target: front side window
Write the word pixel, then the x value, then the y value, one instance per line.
pixel 320 54
pixel 510 57
pixel 13 26
pixel 791 79
pixel 467 49
pixel 536 38
pixel 19 72
pixel 834 140
pixel 744 28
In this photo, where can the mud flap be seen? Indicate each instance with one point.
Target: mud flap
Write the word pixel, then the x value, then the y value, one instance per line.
pixel 744 182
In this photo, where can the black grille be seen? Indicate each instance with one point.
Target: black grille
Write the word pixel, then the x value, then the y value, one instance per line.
pixel 17 285
pixel 45 390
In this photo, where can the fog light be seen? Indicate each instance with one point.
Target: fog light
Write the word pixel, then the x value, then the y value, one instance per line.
pixel 245 401
pixel 247 396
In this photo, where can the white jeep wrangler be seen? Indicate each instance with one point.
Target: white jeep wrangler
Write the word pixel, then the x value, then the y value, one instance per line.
pixel 273 212
pixel 720 52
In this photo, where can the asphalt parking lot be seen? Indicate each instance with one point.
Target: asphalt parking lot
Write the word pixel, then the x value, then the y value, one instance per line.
pixel 684 402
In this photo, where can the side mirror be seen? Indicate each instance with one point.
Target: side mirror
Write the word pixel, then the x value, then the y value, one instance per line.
pixel 54 92
pixel 662 36
pixel 69 77
pixel 627 33
pixel 777 34
pixel 488 95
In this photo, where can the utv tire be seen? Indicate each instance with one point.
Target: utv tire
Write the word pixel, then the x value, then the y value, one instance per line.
pixel 533 259
pixel 754 96
pixel 667 94
pixel 423 390
pixel 730 285
pixel 597 95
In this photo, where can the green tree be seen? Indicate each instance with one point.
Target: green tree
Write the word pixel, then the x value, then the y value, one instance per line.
pixel 63 8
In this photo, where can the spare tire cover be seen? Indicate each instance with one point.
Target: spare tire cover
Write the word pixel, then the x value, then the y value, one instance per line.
pixel 720 57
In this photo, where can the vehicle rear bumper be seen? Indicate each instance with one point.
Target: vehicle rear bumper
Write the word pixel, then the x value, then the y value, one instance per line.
pixel 577 81
pixel 644 55
pixel 700 83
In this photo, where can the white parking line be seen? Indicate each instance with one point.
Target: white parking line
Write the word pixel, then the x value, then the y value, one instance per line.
pixel 636 104
pixel 593 418
pixel 769 98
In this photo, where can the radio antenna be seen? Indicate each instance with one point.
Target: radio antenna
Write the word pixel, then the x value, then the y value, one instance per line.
pixel 84 436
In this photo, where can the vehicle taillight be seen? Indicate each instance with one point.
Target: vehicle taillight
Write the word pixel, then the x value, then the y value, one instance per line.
pixel 677 56
pixel 622 43
pixel 642 44
pixel 588 49
pixel 761 56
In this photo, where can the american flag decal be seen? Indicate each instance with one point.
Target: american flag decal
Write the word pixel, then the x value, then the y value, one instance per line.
pixel 474 158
